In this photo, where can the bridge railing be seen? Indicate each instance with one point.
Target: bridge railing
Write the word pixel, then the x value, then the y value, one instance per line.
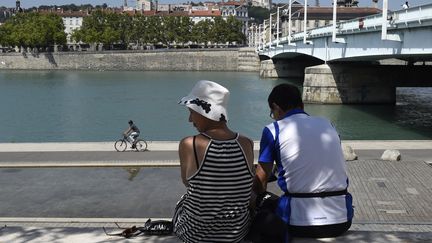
pixel 411 17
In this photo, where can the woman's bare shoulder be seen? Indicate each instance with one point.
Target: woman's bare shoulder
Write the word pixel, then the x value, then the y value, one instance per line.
pixel 245 141
pixel 186 140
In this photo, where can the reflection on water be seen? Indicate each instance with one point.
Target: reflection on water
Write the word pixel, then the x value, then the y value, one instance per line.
pixel 133 172
pixel 89 192
pixel 74 106
pixel 414 107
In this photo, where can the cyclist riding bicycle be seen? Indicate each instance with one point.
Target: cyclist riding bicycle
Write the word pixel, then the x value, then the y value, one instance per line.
pixel 132 133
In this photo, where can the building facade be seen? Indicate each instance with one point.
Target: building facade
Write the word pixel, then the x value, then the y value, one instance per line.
pixel 239 11
pixel 72 21
pixel 261 3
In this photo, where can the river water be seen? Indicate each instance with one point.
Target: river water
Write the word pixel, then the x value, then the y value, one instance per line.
pixel 75 106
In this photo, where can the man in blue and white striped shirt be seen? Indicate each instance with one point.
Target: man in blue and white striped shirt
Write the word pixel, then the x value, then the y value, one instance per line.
pixel 311 169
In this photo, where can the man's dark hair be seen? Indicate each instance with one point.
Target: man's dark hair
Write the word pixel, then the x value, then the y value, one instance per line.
pixel 286 96
pixel 130 122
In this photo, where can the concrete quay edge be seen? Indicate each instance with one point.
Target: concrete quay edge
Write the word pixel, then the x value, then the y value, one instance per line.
pixel 90 164
pixel 173 145
pixel 94 233
pixel 95 222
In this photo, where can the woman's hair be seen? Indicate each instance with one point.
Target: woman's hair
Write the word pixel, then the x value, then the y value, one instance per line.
pixel 286 96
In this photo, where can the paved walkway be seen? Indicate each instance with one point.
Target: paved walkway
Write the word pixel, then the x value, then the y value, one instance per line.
pixel 392 199
pixel 173 145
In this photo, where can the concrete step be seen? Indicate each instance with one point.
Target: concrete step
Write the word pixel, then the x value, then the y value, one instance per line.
pixel 95 234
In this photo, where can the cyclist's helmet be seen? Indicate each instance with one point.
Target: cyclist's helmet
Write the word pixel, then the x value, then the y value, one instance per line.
pixel 130 122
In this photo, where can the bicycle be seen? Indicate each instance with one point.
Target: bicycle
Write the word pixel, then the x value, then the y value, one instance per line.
pixel 122 144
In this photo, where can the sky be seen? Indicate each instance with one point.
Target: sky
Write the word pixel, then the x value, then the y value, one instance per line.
pixel 393 4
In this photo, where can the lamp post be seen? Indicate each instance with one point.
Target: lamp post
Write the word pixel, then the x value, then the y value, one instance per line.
pixel 259 36
pixel 263 33
pixel 305 22
pixel 384 20
pixel 249 37
pixel 277 24
pixel 289 21
pixel 271 28
pixel 254 36
pixel 334 21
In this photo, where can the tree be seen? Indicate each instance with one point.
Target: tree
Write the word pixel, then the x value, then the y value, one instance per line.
pixel 167 33
pixel 201 32
pixel 184 30
pixel 124 27
pixel 100 27
pixel 234 30
pixel 138 30
pixel 258 14
pixel 33 30
pixel 153 27
pixel 109 28
pixel 219 31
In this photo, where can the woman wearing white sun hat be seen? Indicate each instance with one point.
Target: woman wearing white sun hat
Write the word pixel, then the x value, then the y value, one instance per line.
pixel 216 168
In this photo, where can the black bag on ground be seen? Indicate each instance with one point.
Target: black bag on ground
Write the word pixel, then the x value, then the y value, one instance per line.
pixel 266 225
pixel 157 227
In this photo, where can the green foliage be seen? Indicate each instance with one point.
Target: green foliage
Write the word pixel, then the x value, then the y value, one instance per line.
pixel 101 27
pixel 108 28
pixel 201 32
pixel 183 30
pixel 33 30
pixel 67 7
pixel 234 30
pixel 258 14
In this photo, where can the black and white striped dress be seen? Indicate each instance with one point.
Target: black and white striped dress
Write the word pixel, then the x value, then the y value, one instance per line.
pixel 216 205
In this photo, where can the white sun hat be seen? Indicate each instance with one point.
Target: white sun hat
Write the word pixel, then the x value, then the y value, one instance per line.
pixel 209 99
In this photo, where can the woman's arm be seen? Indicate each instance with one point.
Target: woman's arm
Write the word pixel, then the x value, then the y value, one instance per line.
pixel 262 174
pixel 248 146
pixel 263 171
pixel 186 158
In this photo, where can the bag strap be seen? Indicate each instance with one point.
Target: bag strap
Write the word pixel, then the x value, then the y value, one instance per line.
pixel 195 152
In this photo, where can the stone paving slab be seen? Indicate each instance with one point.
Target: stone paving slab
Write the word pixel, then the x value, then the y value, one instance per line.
pixel 384 191
pixel 391 191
